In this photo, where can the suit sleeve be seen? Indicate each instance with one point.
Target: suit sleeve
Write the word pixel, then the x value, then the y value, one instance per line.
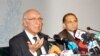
pixel 14 49
pixel 18 48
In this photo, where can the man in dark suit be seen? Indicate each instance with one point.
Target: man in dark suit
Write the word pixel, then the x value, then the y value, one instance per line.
pixel 30 42
pixel 67 35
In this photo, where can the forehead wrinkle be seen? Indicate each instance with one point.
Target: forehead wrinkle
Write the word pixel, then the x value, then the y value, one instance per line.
pixel 30 12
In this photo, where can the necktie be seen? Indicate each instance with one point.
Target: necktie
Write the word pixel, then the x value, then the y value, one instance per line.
pixel 35 38
pixel 39 50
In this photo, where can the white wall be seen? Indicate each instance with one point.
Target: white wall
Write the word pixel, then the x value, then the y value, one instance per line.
pixel 52 11
pixel 87 12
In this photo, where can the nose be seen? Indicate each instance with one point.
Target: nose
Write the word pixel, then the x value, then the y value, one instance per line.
pixel 74 23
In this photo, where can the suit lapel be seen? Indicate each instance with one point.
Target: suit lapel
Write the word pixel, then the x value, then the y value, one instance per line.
pixel 24 45
pixel 45 43
pixel 66 34
pixel 25 36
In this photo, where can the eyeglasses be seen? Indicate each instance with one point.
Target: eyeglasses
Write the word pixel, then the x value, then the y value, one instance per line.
pixel 35 19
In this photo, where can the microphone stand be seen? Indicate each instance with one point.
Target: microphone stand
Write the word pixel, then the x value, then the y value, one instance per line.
pixel 64 46
pixel 88 28
pixel 95 30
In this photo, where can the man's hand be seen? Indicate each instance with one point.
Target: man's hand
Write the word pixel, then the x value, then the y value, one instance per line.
pixel 35 46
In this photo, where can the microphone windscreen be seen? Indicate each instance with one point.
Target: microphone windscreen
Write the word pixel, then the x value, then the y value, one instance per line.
pixel 58 39
pixel 97 36
pixel 72 45
pixel 88 28
pixel 86 39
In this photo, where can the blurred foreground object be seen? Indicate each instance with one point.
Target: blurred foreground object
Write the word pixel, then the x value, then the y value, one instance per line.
pixel 55 49
pixel 52 54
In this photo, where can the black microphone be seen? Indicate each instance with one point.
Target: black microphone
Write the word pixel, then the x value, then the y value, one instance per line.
pixel 59 39
pixel 69 44
pixel 85 37
pixel 88 37
pixel 89 28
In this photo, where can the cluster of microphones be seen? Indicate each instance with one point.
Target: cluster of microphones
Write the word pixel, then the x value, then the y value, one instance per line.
pixel 91 39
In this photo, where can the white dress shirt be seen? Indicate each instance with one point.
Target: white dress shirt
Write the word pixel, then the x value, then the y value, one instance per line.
pixel 30 36
pixel 78 34
pixel 72 33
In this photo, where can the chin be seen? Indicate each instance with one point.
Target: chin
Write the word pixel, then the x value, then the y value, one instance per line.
pixel 37 31
pixel 73 30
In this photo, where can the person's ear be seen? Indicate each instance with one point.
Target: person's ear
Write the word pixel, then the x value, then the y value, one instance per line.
pixel 24 23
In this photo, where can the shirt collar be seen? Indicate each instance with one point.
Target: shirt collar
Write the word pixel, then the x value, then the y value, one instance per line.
pixel 30 36
pixel 72 33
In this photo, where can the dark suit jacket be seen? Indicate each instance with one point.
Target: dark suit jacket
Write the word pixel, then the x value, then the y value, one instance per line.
pixel 19 47
pixel 65 35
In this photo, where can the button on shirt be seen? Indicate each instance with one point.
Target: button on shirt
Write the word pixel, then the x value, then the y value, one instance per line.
pixel 30 36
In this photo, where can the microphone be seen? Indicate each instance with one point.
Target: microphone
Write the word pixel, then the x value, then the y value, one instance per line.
pixel 53 48
pixel 97 36
pixel 73 46
pixel 59 39
pixel 83 30
pixel 86 39
pixel 94 47
pixel 89 28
